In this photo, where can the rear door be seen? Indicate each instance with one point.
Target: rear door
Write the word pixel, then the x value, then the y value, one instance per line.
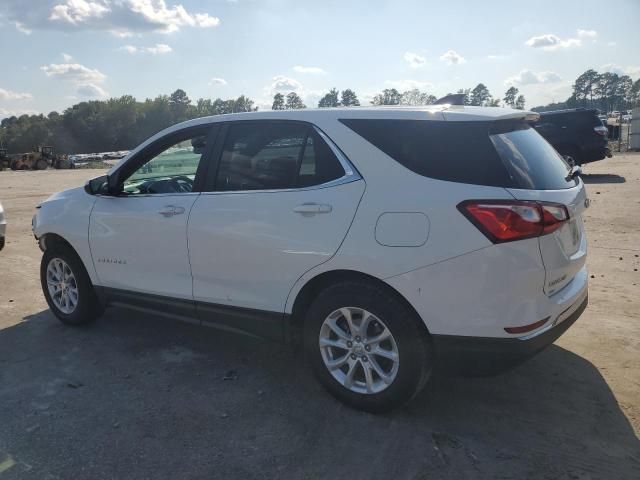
pixel 545 176
pixel 279 202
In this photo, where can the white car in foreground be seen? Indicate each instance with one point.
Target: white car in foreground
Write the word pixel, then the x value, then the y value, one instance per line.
pixel 388 241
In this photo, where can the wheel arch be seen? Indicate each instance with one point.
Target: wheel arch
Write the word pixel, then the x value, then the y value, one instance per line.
pixel 316 284
pixel 49 239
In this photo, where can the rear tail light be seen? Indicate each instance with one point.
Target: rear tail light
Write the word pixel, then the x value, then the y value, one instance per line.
pixel 508 220
pixel 601 130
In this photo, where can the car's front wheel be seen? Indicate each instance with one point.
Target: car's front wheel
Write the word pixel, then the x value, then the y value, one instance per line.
pixel 366 346
pixel 67 287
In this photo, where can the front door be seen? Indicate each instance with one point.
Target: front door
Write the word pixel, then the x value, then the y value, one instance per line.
pixel 138 238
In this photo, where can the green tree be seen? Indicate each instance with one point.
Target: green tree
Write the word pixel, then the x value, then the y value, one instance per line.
pixel 294 102
pixel 417 97
pixel 349 98
pixel 243 104
pixel 389 96
pixel 179 103
pixel 480 96
pixel 633 98
pixel 510 97
pixel 330 99
pixel 607 90
pixel 520 102
pixel 278 102
pixel 585 87
pixel 114 124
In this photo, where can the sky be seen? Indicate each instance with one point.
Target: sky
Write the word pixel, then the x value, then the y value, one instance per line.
pixel 56 53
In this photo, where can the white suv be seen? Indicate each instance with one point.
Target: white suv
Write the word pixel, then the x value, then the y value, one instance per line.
pixel 387 241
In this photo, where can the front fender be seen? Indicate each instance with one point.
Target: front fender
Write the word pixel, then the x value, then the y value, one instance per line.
pixel 67 215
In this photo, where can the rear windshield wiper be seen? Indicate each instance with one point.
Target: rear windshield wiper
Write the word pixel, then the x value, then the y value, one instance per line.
pixel 573 173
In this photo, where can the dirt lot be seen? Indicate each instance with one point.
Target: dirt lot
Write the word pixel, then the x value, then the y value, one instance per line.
pixel 134 396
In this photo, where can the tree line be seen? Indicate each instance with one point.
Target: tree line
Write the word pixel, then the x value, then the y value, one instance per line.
pixel 110 125
pixel 122 123
pixel 606 92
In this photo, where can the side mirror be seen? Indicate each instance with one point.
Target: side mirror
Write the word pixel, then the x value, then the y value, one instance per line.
pixel 98 186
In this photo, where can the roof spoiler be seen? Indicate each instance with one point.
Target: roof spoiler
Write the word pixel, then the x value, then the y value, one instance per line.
pixel 451 99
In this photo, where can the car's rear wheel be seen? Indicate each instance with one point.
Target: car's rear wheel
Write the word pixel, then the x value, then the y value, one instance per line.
pixel 67 287
pixel 366 346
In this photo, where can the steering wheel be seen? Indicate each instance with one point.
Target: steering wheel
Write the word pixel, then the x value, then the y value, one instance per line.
pixel 181 184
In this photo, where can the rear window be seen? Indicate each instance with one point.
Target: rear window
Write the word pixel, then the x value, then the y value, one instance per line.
pixel 499 154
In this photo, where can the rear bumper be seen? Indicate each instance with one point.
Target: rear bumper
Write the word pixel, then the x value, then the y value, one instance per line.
pixel 596 153
pixel 490 356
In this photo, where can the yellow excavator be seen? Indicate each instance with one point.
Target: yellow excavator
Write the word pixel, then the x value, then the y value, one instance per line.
pixel 40 159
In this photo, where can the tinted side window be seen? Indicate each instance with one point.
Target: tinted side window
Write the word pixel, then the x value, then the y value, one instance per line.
pixel 497 154
pixel 453 151
pixel 274 155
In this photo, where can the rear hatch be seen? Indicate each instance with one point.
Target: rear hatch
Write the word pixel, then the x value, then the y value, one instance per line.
pixel 542 175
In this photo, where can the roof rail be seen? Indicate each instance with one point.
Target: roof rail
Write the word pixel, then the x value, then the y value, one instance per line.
pixel 451 99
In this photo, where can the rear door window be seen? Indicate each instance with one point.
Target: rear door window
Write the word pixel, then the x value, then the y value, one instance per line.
pixel 499 154
pixel 275 155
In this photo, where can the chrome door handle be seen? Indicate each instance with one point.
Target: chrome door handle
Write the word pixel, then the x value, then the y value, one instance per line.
pixel 171 210
pixel 312 208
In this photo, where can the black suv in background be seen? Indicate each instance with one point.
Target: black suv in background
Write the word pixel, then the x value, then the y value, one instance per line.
pixel 576 133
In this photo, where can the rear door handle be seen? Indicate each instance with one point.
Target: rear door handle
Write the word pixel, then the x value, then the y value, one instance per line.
pixel 171 210
pixel 313 208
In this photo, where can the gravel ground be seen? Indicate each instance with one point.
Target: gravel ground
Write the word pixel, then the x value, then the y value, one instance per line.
pixel 135 396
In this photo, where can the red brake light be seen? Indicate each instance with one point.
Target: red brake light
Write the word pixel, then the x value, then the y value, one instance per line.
pixel 505 221
pixel 553 216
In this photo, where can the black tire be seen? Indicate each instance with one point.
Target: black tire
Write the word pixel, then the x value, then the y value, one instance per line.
pixel 88 308
pixel 411 337
pixel 41 164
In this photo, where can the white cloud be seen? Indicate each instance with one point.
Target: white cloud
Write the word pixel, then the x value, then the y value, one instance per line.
pixel 496 57
pixel 21 28
pixel 157 49
pixel 77 11
pixel 87 80
pixel 404 85
pixel 285 84
pixel 73 72
pixel 551 42
pixel 4 113
pixel 218 81
pixel 91 90
pixel 66 57
pixel 312 70
pixel 632 71
pixel 451 57
pixel 120 17
pixel 527 77
pixel 10 95
pixel 414 60
pixel 587 33
pixel 612 44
